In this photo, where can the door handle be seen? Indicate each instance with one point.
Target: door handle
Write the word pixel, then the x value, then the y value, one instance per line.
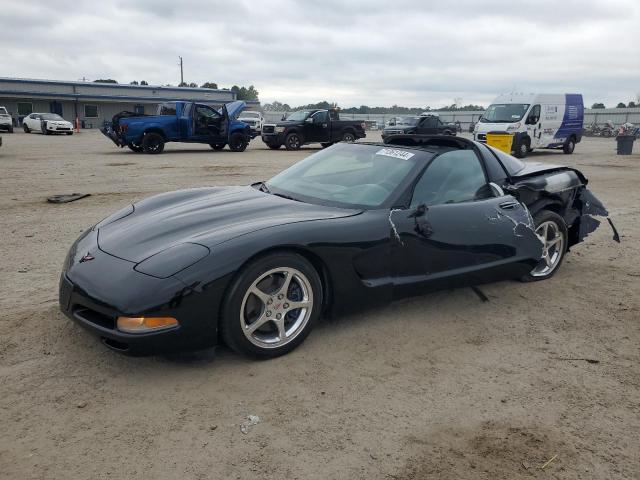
pixel 510 205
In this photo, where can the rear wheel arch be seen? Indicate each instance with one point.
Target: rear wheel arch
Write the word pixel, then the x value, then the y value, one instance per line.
pixel 155 130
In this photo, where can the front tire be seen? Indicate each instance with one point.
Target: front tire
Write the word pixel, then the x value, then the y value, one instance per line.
pixel 26 128
pixel 522 149
pixel 272 306
pixel 326 145
pixel 552 230
pixel 569 146
pixel 293 141
pixel 153 143
pixel 238 142
pixel 218 146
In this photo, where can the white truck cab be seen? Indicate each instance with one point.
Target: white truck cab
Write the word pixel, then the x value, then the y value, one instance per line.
pixel 536 121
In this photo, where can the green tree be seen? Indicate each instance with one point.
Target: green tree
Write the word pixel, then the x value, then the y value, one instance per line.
pixel 598 105
pixel 143 82
pixel 135 82
pixel 243 93
pixel 621 105
pixel 105 80
pixel 632 105
pixel 209 85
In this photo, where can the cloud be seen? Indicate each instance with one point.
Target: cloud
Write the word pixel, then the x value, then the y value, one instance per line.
pixel 372 52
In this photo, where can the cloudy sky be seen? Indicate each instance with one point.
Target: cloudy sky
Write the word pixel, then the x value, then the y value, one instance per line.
pixel 353 52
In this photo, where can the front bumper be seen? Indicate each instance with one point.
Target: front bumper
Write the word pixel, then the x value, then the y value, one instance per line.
pixel 95 293
pixel 59 128
pixel 273 138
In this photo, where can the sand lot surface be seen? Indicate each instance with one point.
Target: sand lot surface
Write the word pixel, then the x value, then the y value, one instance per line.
pixel 441 386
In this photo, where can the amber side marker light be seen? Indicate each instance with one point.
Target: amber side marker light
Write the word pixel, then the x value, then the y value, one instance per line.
pixel 145 324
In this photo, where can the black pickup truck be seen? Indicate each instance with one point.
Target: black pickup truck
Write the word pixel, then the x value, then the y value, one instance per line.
pixel 311 126
pixel 422 125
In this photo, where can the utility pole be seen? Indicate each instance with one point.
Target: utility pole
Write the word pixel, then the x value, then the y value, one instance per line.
pixel 181 73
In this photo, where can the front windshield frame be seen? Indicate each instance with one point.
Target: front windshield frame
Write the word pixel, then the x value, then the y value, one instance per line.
pixel 52 116
pixel 420 159
pixel 298 116
pixel 512 118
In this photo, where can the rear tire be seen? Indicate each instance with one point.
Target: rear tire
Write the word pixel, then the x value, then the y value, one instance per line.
pixel 218 146
pixel 348 137
pixel 135 147
pixel 238 142
pixel 326 145
pixel 261 293
pixel 152 143
pixel 26 128
pixel 552 228
pixel 569 146
pixel 69 133
pixel 293 141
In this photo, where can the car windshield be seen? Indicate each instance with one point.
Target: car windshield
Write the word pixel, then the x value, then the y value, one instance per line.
pixel 250 115
pixel 347 175
pixel 298 116
pixel 51 116
pixel 407 121
pixel 504 112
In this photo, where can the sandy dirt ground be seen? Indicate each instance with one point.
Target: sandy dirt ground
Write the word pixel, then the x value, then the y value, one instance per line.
pixel 441 386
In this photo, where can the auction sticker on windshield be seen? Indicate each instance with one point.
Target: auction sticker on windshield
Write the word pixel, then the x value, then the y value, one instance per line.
pixel 392 152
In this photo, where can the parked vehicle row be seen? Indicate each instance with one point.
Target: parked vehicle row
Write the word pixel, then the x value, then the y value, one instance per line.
pixel 6 122
pixel 426 124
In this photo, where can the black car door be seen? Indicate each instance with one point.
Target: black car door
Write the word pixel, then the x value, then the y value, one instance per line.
pixel 317 129
pixel 207 124
pixel 460 228
pixel 428 126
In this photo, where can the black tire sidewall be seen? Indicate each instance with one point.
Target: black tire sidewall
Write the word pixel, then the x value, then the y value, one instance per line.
pixel 544 216
pixel 230 328
pixel 274 147
pixel 238 142
pixel 352 137
pixel 569 146
pixel 149 140
pixel 288 139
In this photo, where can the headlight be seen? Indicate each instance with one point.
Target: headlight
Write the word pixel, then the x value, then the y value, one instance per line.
pixel 513 127
pixel 279 129
pixel 172 260
pixel 145 324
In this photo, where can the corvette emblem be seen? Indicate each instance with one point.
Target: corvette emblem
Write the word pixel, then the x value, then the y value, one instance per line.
pixel 87 258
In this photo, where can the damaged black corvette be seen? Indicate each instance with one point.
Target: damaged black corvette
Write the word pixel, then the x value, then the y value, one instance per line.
pixel 352 226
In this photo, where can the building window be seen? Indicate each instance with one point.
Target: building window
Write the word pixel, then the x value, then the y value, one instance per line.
pixel 90 111
pixel 25 108
pixel 139 109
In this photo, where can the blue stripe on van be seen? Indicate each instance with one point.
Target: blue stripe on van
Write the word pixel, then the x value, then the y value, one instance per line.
pixel 573 116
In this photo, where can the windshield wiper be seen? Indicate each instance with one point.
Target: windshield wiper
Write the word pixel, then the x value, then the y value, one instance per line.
pixel 286 196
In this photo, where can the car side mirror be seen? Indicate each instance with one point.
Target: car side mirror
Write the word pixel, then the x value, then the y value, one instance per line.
pixel 496 189
pixel 309 120
pixel 419 211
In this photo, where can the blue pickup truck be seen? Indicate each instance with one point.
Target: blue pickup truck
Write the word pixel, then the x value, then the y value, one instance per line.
pixel 180 122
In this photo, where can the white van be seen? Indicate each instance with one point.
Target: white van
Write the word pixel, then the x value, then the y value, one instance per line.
pixel 536 120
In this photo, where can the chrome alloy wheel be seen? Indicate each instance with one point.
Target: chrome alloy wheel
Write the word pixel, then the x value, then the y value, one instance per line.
pixel 552 250
pixel 276 307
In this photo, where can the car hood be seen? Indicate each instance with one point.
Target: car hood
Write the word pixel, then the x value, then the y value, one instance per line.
pixel 532 168
pixel 234 108
pixel 205 216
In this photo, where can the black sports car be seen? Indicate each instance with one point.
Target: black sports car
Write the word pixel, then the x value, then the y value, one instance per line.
pixel 351 226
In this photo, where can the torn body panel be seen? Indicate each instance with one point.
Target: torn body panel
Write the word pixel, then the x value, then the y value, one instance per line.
pixel 470 242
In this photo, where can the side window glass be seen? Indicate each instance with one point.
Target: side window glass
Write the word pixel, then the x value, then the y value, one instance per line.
pixel 452 177
pixel 320 117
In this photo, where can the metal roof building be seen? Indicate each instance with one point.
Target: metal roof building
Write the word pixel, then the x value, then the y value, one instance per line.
pixel 95 103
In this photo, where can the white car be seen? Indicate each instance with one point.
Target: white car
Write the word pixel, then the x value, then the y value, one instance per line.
pixel 255 120
pixel 46 123
pixel 6 122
